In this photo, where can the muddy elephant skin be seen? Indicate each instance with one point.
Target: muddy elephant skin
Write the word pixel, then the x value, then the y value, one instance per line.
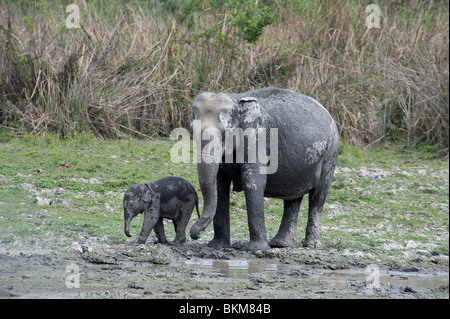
pixel 307 148
pixel 169 197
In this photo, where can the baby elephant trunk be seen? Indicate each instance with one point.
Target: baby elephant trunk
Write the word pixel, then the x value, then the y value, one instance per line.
pixel 127 225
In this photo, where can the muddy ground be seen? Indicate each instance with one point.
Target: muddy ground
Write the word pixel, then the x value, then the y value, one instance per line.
pixel 93 269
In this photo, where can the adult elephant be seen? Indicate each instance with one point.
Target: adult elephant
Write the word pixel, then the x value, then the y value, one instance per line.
pixel 308 143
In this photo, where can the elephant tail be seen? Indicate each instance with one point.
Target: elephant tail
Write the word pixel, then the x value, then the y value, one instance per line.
pixel 196 207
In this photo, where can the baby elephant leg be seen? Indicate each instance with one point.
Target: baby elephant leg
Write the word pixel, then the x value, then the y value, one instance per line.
pixel 181 224
pixel 180 232
pixel 159 230
pixel 151 217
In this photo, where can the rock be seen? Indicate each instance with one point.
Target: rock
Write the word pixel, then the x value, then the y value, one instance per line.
pixel 411 244
pixel 94 180
pixel 81 247
pixel 52 192
pixel 76 245
pixel 271 253
pixel 410 290
pixel 440 260
pixel 43 201
pixel 24 176
pixel 336 209
pixel 133 285
pixel 91 180
pixel 405 173
pixel 372 173
pixel 29 187
pixel 421 172
pixel 108 208
pixel 98 259
pixel 391 246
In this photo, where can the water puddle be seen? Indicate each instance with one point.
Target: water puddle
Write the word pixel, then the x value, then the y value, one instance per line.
pixel 249 269
pixel 237 269
pixel 416 280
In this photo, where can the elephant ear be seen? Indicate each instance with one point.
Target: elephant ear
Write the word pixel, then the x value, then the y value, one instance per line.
pixel 148 194
pixel 250 113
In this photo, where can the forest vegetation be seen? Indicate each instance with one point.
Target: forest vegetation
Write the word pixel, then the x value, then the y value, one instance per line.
pixel 132 68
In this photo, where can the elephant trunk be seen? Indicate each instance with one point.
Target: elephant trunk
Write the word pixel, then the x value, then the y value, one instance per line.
pixel 207 177
pixel 127 225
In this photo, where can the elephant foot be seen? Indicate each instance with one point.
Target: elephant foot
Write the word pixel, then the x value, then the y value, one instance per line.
pixel 283 241
pixel 311 243
pixel 219 243
pixel 140 242
pixel 180 240
pixel 257 245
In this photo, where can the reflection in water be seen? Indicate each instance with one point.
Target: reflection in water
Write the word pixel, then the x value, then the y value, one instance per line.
pixel 238 268
pixel 389 280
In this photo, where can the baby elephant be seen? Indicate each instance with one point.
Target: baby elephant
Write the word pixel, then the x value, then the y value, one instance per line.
pixel 170 197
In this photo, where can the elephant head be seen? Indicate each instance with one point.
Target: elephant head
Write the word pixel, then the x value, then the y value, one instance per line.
pixel 134 201
pixel 224 120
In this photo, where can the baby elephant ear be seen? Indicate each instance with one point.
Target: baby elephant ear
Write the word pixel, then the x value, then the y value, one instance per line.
pixel 250 112
pixel 148 194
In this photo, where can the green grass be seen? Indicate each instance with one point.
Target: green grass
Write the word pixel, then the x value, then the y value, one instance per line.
pixel 360 215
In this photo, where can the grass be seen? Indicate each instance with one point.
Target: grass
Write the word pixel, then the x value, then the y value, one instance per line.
pixel 133 67
pixel 409 203
pixel 86 213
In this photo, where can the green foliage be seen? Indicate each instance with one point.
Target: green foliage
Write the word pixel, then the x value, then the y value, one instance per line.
pixel 249 17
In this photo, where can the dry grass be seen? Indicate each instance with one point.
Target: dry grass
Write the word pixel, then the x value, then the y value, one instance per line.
pixel 134 69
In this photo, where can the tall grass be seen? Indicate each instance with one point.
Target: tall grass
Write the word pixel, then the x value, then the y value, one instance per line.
pixel 134 67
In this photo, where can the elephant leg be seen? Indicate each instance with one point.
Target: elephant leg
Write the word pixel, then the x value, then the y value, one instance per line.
pixel 317 197
pixel 149 223
pixel 254 184
pixel 159 230
pixel 180 225
pixel 151 217
pixel 180 234
pixel 287 233
pixel 221 219
pixel 316 202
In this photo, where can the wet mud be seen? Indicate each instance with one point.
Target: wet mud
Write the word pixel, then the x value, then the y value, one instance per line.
pixel 94 269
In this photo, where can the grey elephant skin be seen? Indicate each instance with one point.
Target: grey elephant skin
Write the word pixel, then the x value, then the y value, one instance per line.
pixel 169 197
pixel 308 144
